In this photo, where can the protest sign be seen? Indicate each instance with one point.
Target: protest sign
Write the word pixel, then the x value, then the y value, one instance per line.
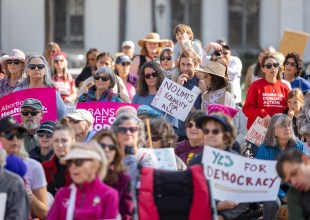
pixel 240 179
pixel 256 133
pixel 104 113
pixel 3 198
pixel 10 104
pixel 293 41
pixel 165 157
pixel 216 97
pixel 174 99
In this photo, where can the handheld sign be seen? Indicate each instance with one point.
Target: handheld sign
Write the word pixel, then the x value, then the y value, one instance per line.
pixel 293 41
pixel 174 99
pixel 3 198
pixel 10 104
pixel 240 179
pixel 256 133
pixel 165 157
pixel 104 113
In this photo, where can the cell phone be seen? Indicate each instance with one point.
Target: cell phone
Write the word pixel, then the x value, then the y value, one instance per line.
pixel 186 44
pixel 129 150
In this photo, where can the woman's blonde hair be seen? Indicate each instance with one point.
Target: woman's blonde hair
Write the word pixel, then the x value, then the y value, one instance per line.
pixel 296 93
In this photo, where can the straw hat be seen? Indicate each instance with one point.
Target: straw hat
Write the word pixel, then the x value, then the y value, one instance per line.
pixel 214 68
pixel 15 54
pixel 151 37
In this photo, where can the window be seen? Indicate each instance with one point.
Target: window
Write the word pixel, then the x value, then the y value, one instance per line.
pixel 243 23
pixel 69 23
pixel 187 12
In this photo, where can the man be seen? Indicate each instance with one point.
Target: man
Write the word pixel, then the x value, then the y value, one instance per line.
pixel 188 63
pixel 128 48
pixel 31 115
pixel 82 122
pixel 234 65
pixel 294 168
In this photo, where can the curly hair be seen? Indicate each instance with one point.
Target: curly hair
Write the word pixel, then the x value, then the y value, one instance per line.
pixel 298 62
pixel 142 88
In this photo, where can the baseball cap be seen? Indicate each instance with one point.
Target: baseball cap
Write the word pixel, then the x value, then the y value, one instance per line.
pixel 33 103
pixel 82 115
pixel 128 43
pixel 200 121
pixel 9 123
pixel 123 59
pixel 47 126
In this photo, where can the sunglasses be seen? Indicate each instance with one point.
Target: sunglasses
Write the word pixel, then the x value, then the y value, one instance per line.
pixel 123 130
pixel 148 76
pixel 32 113
pixel 290 63
pixel 10 136
pixel 166 58
pixel 46 134
pixel 103 78
pixel 33 66
pixel 219 53
pixel 77 162
pixel 110 146
pixel 58 61
pixel 214 131
pixel 126 64
pixel 16 62
pixel 191 125
pixel 269 65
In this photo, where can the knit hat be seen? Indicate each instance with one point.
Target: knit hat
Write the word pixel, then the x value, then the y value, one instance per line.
pixel 231 112
pixel 147 110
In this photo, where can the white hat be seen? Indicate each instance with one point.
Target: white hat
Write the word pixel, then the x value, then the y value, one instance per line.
pixel 128 43
pixel 82 115
pixel 79 153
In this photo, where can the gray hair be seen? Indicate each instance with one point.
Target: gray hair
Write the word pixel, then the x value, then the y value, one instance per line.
pixel 109 72
pixel 47 77
pixel 278 120
pixel 141 132
pixel 2 158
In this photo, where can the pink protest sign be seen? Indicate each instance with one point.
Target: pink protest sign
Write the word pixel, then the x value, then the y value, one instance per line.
pixel 103 112
pixel 10 104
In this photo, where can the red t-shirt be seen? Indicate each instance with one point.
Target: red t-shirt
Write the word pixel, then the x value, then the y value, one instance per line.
pixel 265 98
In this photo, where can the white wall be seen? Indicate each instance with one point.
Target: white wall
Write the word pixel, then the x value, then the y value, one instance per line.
pixel 22 26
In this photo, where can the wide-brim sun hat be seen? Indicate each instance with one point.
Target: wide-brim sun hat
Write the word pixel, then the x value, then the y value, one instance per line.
pixel 79 153
pixel 214 68
pixel 15 54
pixel 151 37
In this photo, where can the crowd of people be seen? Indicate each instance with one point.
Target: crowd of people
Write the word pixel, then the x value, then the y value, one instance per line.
pixel 64 169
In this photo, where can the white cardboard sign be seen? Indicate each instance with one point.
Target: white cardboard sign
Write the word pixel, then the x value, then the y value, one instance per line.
pixel 256 133
pixel 165 157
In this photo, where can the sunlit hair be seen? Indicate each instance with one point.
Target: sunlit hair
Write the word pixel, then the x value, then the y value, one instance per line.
pixel 189 54
pixel 139 123
pixel 91 51
pixel 144 51
pixel 65 72
pixel 193 116
pixel 183 28
pixel 49 48
pixel 64 126
pixel 105 54
pixel 297 60
pixel 142 88
pixel 296 93
pixel 272 56
pixel 116 166
pixel 160 127
pixel 47 80
pixel 279 120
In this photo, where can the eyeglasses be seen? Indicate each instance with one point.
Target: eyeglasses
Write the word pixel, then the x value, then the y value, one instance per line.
pixel 290 63
pixel 77 162
pixel 148 76
pixel 110 146
pixel 214 131
pixel 103 78
pixel 126 64
pixel 269 65
pixel 46 134
pixel 191 125
pixel 10 135
pixel 58 61
pixel 220 52
pixel 16 62
pixel 33 66
pixel 32 113
pixel 168 58
pixel 123 130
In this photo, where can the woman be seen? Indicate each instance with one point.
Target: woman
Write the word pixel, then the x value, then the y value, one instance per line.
pixel 101 91
pixel 163 136
pixel 63 80
pixel 90 67
pixel 56 173
pixel 38 76
pixel 130 134
pixel 116 176
pixel 122 66
pixel 44 151
pixel 13 65
pixel 292 71
pixel 187 148
pixel 279 138
pixel 51 48
pixel 87 197
pixel 11 134
pixel 166 61
pixel 150 47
